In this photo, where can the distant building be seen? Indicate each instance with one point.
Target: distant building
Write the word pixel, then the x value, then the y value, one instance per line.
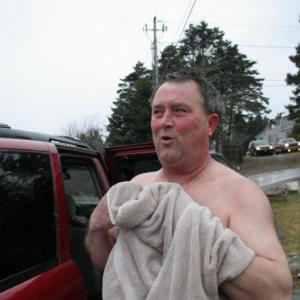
pixel 276 129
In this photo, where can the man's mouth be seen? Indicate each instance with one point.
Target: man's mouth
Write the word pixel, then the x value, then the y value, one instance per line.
pixel 167 138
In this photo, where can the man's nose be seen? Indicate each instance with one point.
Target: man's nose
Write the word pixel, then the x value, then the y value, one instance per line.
pixel 167 119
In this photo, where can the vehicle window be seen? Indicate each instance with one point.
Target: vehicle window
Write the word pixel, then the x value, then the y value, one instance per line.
pixel 27 212
pixel 83 189
pixel 126 167
pixel 129 166
pixel 289 140
pixel 260 143
pixel 81 181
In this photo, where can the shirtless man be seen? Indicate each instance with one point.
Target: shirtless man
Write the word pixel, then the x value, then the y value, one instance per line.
pixel 184 117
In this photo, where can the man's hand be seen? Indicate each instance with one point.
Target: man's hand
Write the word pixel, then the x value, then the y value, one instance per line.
pixel 263 279
pixel 100 239
pixel 100 217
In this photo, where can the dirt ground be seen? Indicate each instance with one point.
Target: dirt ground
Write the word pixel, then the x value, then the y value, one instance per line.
pixel 262 164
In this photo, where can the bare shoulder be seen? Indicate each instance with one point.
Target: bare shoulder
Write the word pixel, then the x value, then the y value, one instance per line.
pixel 250 214
pixel 145 178
pixel 240 186
pixel 243 196
pixel 246 193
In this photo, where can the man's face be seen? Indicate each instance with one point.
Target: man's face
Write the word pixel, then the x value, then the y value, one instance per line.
pixel 180 127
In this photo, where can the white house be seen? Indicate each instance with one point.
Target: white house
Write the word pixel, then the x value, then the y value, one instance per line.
pixel 275 131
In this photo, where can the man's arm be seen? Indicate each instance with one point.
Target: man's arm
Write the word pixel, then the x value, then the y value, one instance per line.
pixel 268 276
pixel 263 279
pixel 100 239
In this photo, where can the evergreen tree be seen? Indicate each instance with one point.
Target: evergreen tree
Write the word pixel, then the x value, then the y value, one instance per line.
pixel 294 109
pixel 203 51
pixel 170 61
pixel 130 119
pixel 295 133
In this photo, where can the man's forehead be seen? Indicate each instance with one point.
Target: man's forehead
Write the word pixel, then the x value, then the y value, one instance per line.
pixel 178 92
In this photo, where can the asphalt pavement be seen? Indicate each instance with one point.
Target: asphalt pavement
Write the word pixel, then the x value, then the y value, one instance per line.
pixel 271 179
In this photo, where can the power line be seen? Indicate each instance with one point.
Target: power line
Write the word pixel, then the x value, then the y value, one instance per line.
pixel 183 28
pixel 285 86
pixel 155 66
pixel 274 79
pixel 248 46
pixel 259 25
pixel 247 25
pixel 266 46
pixel 181 22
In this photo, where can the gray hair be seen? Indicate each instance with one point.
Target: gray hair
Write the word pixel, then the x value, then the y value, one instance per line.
pixel 211 96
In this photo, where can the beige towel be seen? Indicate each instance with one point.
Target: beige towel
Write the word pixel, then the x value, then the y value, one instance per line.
pixel 168 247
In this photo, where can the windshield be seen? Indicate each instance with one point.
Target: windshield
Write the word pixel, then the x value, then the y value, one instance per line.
pixel 260 143
pixel 289 140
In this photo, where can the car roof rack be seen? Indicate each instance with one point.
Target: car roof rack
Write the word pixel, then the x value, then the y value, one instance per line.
pixel 7 132
pixel 4 125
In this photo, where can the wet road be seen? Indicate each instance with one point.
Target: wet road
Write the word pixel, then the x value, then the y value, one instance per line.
pixel 271 179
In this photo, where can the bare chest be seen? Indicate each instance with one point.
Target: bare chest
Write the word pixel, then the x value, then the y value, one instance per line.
pixel 214 192
pixel 217 199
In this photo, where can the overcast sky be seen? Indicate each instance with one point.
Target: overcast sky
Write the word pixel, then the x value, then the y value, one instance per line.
pixel 61 60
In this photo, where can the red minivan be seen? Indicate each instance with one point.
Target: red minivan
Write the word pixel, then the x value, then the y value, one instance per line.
pixel 49 186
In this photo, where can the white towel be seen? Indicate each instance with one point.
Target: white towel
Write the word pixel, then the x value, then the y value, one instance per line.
pixel 168 246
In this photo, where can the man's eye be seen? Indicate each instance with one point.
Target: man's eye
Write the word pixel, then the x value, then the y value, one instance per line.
pixel 180 109
pixel 157 112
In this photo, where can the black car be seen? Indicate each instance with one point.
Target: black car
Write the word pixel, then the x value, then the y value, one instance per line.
pixel 260 147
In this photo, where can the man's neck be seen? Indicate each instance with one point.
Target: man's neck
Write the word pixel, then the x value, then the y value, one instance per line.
pixel 185 174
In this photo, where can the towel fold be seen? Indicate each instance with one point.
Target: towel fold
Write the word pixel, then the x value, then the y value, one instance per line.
pixel 168 246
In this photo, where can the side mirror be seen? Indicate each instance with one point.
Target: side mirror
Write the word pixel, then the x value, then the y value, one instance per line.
pixel 66 175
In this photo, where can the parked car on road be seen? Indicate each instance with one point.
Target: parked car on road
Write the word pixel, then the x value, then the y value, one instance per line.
pixel 260 147
pixel 286 145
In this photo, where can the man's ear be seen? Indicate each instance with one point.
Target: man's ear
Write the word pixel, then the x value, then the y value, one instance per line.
pixel 213 120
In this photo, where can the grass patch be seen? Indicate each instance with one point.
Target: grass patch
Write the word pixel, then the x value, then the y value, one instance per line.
pixel 287 218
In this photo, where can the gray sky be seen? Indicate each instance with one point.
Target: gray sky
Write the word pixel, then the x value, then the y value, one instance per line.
pixel 61 60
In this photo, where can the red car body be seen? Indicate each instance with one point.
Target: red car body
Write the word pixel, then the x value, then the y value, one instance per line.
pixel 62 281
pixel 69 275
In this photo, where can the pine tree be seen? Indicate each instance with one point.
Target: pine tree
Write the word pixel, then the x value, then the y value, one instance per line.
pixel 204 51
pixel 294 109
pixel 130 119
pixel 171 61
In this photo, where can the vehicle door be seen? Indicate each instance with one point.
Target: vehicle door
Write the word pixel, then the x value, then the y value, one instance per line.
pixel 35 261
pixel 85 182
pixel 125 162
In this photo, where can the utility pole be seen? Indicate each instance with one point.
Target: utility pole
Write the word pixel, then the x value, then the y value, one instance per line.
pixel 154 48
